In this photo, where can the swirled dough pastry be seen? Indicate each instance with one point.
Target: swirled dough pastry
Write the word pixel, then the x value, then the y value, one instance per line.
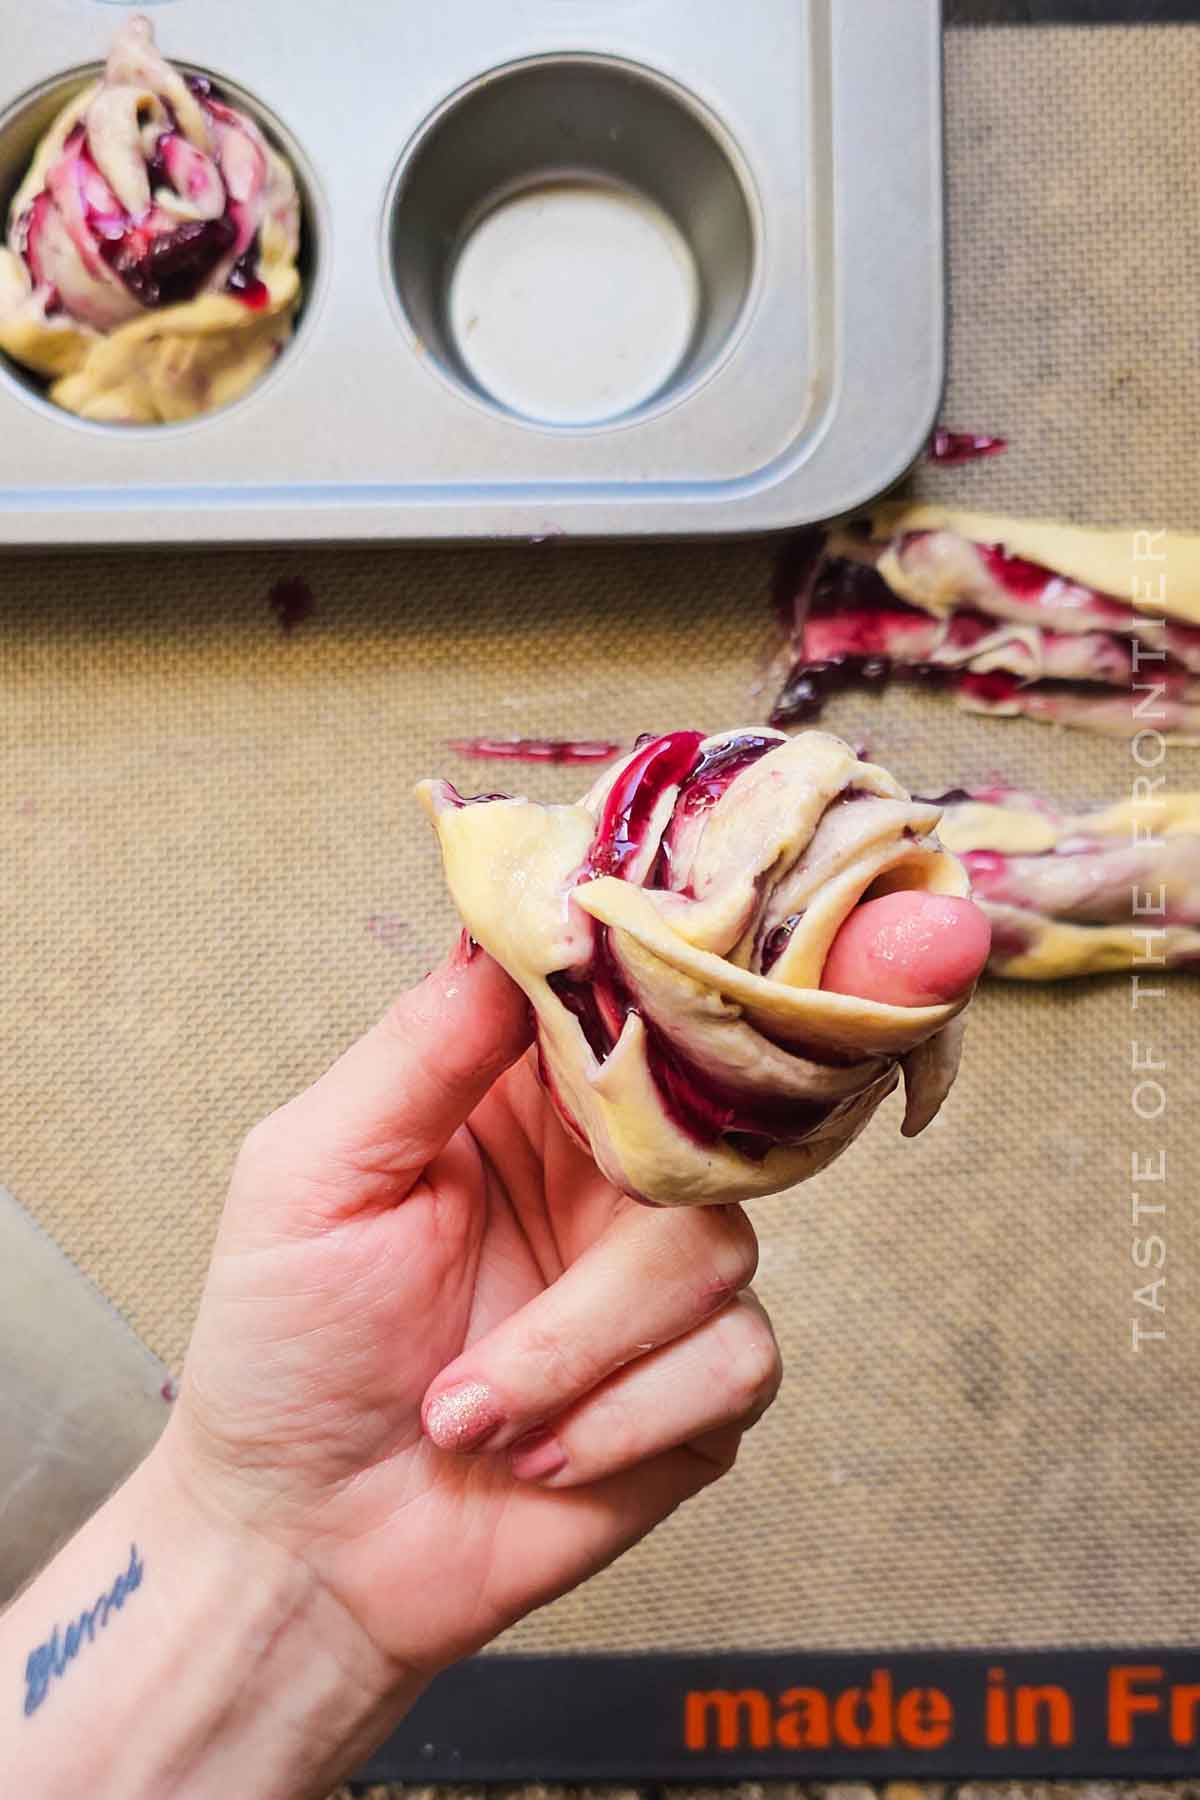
pixel 671 931
pixel 150 272
pixel 1072 626
pixel 1081 893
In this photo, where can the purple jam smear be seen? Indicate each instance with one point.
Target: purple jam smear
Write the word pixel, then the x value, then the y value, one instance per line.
pixel 796 566
pixel 842 586
pixel 159 269
pixel 717 769
pixel 997 686
pixel 1008 941
pixel 662 764
pixel 244 283
pixel 848 622
pixel 175 265
pixel 984 865
pixel 810 685
pixel 579 997
pixel 952 797
pixel 165 268
pixel 707 1109
pixel 776 942
pixel 292 602
pixel 537 750
pixel 1026 580
pixel 710 1110
pixel 963 446
pixel 700 790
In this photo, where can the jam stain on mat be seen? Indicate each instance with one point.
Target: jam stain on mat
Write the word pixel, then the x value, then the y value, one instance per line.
pixel 536 750
pixel 963 446
pixel 796 566
pixel 388 929
pixel 292 602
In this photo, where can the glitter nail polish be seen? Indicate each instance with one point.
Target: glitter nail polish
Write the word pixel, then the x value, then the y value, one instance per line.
pixel 463 1417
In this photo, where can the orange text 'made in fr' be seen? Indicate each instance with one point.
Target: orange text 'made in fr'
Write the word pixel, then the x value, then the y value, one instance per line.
pixel 876 1715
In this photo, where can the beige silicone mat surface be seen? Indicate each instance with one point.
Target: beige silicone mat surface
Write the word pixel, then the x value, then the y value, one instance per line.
pixel 214 875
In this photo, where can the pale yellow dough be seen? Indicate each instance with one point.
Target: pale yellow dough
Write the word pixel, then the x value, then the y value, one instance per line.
pixel 773 846
pixel 173 362
pixel 1161 838
pixel 1154 572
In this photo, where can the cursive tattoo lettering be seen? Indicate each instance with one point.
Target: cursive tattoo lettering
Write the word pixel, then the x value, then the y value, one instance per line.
pixel 50 1659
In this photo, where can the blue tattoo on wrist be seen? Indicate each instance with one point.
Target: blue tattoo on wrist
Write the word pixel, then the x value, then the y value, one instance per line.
pixel 51 1658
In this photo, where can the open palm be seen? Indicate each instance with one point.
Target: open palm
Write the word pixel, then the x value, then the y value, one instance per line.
pixel 438 1355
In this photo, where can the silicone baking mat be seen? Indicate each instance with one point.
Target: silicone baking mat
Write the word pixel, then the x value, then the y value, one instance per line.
pixel 215 875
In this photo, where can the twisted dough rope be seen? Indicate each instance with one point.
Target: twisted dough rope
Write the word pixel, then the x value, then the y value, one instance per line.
pixel 1061 889
pixel 671 931
pixel 109 356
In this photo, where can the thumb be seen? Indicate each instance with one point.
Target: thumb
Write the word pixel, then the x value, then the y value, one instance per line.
pixel 909 949
pixel 366 1129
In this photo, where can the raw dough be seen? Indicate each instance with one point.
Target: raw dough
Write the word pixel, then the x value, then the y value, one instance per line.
pixel 150 271
pixel 671 931
pixel 1059 888
pixel 1099 629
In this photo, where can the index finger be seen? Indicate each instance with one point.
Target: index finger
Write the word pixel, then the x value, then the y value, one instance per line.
pixel 368 1126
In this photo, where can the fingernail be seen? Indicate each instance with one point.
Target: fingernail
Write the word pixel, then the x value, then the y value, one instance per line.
pixel 537 1456
pixel 465 951
pixel 463 1417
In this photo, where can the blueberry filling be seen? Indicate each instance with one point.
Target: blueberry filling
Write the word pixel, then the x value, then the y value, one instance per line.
pixel 716 769
pixel 851 630
pixel 708 1109
pixel 173 266
pixel 699 792
pixel 1008 940
pixel 776 942
pixel 578 995
pixel 244 280
pixel 159 268
pixel 952 797
pixel 629 808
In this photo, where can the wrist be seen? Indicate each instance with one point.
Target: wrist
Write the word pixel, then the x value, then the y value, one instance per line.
pixel 188 1654
pixel 278 1677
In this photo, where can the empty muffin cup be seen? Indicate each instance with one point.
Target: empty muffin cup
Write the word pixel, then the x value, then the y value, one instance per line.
pixel 572 241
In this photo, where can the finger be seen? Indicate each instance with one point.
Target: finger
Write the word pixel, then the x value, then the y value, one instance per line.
pixel 391 1102
pixel 724 1373
pixel 584 1529
pixel 646 1281
pixel 909 949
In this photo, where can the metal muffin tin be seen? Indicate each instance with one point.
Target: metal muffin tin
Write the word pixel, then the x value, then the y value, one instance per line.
pixel 793 147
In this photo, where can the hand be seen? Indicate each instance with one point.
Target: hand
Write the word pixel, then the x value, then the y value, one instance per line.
pixel 378 1255
pixel 441 1372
